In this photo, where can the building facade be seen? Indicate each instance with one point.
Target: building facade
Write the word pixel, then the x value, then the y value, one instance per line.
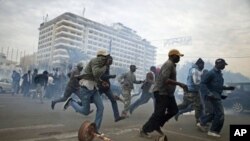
pixel 70 38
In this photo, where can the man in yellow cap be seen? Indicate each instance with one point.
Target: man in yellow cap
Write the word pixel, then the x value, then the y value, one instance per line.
pixel 164 95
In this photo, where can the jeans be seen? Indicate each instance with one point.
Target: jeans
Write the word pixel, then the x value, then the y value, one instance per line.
pixel 216 115
pixel 186 105
pixel 15 87
pixel 86 96
pixel 189 108
pixel 110 96
pixel 26 88
pixel 145 96
pixel 206 105
pixel 67 93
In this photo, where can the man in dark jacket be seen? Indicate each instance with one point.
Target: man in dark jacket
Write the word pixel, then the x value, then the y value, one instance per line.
pixel 27 80
pixel 15 82
pixel 107 90
pixel 41 81
pixel 212 86
pixel 72 86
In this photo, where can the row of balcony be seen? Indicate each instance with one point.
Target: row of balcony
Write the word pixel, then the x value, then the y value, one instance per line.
pixel 68 40
pixel 67 22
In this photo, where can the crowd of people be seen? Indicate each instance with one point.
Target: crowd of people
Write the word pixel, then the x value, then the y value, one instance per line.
pixel 28 83
pixel 202 91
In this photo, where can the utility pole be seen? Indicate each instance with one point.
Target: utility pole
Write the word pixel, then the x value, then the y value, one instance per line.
pixel 83 11
pixel 11 54
pixel 7 53
pixel 16 55
pixel 110 46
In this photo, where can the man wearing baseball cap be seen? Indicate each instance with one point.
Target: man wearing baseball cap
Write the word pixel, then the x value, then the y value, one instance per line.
pixel 175 52
pixel 102 53
pixel 165 104
pixel 89 89
pixel 212 87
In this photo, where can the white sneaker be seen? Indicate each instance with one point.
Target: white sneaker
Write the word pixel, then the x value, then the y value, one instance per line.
pixel 213 134
pixel 202 128
pixel 144 134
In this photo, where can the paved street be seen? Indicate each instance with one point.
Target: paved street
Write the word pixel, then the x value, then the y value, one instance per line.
pixel 25 119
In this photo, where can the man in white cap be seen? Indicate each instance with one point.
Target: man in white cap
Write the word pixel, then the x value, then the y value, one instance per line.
pixel 72 86
pixel 165 103
pixel 89 90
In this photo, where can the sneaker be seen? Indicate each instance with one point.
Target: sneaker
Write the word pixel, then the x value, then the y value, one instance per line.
pixel 53 103
pixel 159 131
pixel 209 133
pixel 91 111
pixel 66 104
pixel 144 134
pixel 201 127
pixel 205 126
pixel 130 111
pixel 99 133
pixel 176 117
pixel 161 138
pixel 120 118
pixel 124 114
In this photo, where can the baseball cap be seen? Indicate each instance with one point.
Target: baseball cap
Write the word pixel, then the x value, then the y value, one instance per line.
pixel 220 60
pixel 175 52
pixel 102 52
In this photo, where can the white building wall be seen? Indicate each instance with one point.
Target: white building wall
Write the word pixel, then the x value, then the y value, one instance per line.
pixel 71 31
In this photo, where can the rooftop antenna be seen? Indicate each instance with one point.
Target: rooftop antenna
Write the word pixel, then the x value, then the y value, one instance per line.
pixel 83 11
pixel 46 18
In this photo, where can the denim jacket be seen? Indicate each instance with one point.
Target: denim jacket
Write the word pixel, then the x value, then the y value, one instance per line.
pixel 212 84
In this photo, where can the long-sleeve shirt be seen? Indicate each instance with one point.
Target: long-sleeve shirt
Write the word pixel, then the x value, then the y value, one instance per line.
pixel 127 80
pixel 93 71
pixel 168 71
pixel 149 82
pixel 73 81
pixel 212 83
pixel 41 79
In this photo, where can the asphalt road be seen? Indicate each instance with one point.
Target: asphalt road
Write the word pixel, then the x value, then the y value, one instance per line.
pixel 26 119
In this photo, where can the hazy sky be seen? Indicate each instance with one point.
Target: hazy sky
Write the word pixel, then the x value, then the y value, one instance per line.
pixel 219 28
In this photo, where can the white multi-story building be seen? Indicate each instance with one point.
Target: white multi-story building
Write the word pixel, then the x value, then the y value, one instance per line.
pixel 69 38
